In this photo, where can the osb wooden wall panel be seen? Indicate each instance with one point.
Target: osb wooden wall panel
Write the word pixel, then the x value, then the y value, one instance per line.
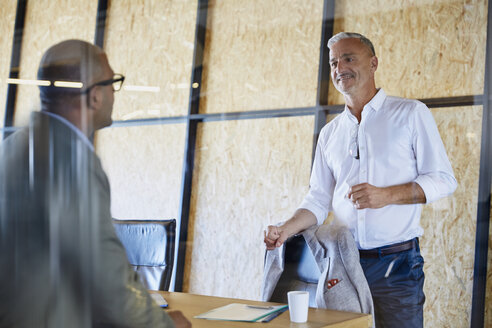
pixel 425 48
pixel 151 43
pixel 143 165
pixel 7 21
pixel 448 244
pixel 47 23
pixel 248 174
pixel 261 55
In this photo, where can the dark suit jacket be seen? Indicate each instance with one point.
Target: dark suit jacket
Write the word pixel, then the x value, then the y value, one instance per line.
pixel 61 261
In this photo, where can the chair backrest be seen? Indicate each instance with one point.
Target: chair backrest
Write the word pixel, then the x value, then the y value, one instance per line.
pixel 149 246
pixel 300 271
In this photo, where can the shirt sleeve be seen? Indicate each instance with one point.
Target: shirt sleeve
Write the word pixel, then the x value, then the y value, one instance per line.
pixel 435 174
pixel 321 186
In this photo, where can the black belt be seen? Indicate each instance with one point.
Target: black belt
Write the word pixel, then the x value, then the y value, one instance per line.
pixel 390 249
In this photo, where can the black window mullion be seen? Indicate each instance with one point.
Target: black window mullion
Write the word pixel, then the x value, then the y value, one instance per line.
pixel 323 70
pixel 102 9
pixel 484 189
pixel 20 16
pixel 190 141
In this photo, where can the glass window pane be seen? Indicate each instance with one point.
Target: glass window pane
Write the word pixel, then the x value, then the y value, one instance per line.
pixel 448 243
pixel 143 164
pixel 151 43
pixel 426 49
pixel 47 23
pixel 248 174
pixel 261 55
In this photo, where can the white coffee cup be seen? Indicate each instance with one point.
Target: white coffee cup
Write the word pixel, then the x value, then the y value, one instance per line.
pixel 298 305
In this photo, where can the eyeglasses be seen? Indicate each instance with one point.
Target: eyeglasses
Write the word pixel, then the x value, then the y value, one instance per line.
pixel 354 144
pixel 116 81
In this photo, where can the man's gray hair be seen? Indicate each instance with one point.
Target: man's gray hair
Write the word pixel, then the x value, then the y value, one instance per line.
pixel 350 35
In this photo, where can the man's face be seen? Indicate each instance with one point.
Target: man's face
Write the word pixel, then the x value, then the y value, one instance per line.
pixel 104 116
pixel 352 66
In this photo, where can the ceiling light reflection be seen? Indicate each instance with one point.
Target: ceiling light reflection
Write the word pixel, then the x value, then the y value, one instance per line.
pixel 29 82
pixel 67 84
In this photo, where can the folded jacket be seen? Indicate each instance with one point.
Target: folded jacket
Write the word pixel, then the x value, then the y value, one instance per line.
pixel 342 284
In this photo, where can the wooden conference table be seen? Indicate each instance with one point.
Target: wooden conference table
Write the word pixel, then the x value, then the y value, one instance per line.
pixel 192 305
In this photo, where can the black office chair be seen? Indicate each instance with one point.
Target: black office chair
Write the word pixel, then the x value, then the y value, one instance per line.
pixel 149 246
pixel 300 271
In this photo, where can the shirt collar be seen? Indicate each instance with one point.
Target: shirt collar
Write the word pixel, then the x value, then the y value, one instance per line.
pixel 72 127
pixel 375 103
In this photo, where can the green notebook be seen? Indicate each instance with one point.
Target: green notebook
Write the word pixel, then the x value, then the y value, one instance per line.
pixel 243 312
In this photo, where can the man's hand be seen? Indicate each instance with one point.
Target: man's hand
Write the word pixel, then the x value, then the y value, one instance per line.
pixel 275 237
pixel 179 319
pixel 365 195
pixel 301 220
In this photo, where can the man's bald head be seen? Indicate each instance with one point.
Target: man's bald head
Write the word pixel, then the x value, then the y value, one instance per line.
pixel 71 61
pixel 90 105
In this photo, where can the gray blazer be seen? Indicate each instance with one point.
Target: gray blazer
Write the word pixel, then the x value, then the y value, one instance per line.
pixel 62 263
pixel 337 257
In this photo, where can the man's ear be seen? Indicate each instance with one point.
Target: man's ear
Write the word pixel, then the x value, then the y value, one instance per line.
pixel 374 63
pixel 94 98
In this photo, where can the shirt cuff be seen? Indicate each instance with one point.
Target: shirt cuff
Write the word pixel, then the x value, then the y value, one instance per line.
pixel 427 185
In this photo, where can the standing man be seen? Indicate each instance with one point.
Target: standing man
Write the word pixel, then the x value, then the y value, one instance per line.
pixel 62 263
pixel 375 164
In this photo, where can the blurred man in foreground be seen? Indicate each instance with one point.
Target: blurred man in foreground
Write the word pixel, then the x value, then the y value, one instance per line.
pixel 62 263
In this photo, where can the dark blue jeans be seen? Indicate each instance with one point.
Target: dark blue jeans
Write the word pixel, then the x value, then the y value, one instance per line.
pixel 397 289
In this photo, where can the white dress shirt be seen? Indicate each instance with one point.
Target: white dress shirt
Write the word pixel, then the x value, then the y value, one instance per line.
pixel 398 143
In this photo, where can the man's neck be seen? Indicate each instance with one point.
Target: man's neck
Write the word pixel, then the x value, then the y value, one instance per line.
pixel 74 116
pixel 356 103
